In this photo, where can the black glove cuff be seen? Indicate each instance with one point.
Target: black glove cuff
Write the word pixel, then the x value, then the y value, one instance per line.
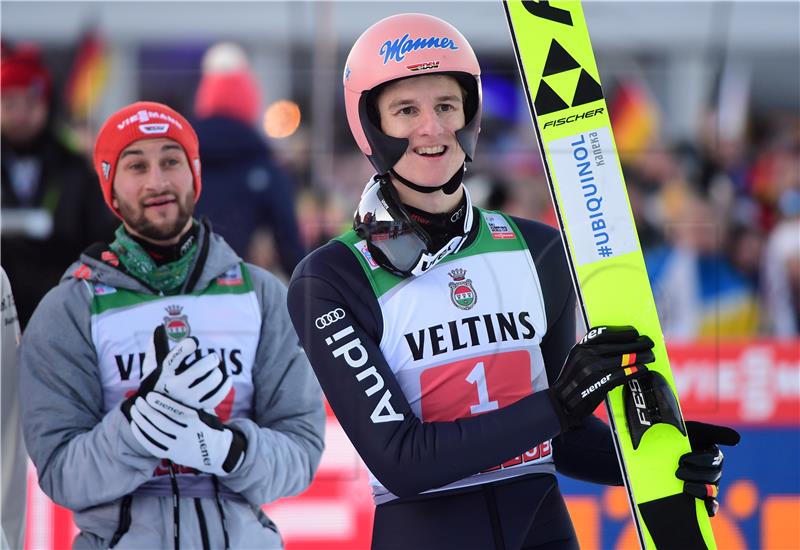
pixel 236 451
pixel 126 405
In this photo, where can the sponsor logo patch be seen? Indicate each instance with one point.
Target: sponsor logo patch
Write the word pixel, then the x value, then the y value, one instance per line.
pixel 362 247
pixel 232 277
pixel 146 116
pixel 498 226
pixel 594 205
pixel 356 358
pixel 102 290
pixel 329 318
pixel 154 128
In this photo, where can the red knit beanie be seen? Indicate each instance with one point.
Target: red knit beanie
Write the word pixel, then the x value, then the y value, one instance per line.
pixel 23 68
pixel 228 86
pixel 142 120
pixel 235 94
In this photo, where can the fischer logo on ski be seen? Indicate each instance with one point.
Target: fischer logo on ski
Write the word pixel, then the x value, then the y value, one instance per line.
pixel 572 118
pixel 580 89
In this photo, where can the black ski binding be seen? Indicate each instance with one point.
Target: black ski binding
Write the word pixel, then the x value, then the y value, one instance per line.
pixel 650 400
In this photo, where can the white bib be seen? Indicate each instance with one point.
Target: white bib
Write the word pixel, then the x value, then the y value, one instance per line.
pixel 464 338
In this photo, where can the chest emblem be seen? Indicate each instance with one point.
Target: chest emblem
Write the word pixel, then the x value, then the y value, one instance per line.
pixel 462 293
pixel 177 325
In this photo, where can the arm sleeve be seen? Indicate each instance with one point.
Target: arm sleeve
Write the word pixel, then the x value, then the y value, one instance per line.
pixel 406 455
pixel 587 452
pixel 285 437
pixel 83 457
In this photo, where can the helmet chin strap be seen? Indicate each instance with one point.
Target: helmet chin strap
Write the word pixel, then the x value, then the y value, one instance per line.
pixel 449 187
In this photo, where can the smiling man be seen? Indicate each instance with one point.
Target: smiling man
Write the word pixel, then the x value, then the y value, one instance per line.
pixel 149 208
pixel 443 335
pixel 427 111
pixel 174 436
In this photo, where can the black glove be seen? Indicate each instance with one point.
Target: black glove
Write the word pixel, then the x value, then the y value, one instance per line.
pixel 200 384
pixel 604 359
pixel 701 469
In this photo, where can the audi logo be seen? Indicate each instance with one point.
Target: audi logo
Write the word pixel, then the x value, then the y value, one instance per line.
pixel 329 318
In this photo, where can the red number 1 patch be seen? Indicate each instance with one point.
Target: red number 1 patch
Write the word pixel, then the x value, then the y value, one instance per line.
pixel 474 386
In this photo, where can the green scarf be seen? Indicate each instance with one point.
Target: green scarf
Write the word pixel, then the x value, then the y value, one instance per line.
pixel 166 278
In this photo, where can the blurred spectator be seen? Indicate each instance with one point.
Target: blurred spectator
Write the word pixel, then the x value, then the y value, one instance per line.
pixel 781 270
pixel 725 159
pixel 776 170
pixel 14 460
pixel 51 204
pixel 244 187
pixel 262 252
pixel 489 191
pixel 310 207
pixel 745 249
pixel 322 216
pixel 699 294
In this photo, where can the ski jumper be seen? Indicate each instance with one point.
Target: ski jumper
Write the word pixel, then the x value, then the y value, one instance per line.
pixel 437 381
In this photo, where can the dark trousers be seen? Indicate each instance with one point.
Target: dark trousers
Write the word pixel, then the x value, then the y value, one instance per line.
pixel 527 512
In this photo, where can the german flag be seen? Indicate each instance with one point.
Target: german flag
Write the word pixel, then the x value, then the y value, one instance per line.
pixel 635 117
pixel 88 77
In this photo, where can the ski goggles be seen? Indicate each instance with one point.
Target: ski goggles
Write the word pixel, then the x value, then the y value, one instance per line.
pixel 395 241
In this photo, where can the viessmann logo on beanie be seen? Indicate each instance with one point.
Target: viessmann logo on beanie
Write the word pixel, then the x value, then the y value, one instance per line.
pixel 142 120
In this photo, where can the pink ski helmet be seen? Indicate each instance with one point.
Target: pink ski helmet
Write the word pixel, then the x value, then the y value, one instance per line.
pixel 402 46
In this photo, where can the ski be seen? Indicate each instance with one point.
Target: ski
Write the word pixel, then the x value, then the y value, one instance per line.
pixel 558 70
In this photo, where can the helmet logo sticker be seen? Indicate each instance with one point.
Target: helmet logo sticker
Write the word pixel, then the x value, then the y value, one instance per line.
pixel 397 49
pixel 423 66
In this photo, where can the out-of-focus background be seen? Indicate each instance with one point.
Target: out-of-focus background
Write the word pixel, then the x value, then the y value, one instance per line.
pixel 705 103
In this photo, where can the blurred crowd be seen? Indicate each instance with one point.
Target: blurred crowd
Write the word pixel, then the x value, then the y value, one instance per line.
pixel 718 215
pixel 718 220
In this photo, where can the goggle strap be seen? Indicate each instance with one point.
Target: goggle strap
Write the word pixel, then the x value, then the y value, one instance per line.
pixel 428 260
pixel 449 187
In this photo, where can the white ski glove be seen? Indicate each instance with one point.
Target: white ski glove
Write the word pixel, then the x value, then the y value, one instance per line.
pixel 202 384
pixel 186 436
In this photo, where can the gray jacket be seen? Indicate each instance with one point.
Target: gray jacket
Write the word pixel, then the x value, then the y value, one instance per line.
pixel 13 459
pixel 88 461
